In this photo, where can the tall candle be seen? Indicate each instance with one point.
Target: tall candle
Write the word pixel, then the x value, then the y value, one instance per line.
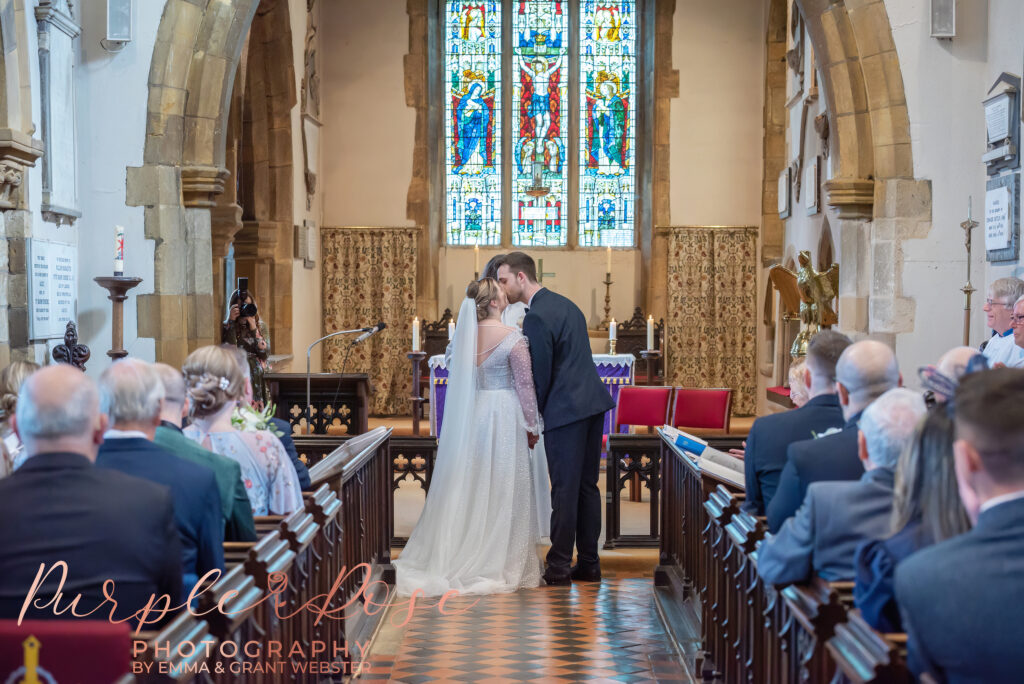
pixel 476 258
pixel 608 261
pixel 416 334
pixel 650 333
pixel 119 250
pixel 451 330
pixel 613 330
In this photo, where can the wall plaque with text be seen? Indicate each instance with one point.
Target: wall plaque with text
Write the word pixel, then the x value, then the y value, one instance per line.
pixel 53 285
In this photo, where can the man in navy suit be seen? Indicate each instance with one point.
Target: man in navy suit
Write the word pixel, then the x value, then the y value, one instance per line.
pixel 822 538
pixel 771 435
pixel 865 371
pixel 131 395
pixel 572 400
pixel 960 599
pixel 58 506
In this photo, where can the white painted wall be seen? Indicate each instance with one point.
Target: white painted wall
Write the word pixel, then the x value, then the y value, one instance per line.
pixel 946 82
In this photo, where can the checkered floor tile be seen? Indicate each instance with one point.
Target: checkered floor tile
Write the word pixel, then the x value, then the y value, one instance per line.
pixel 606 631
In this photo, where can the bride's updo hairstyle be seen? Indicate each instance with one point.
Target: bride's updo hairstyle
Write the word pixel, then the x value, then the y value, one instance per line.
pixel 483 292
pixel 212 379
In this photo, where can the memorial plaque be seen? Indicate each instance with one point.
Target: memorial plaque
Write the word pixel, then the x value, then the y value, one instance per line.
pixel 1002 220
pixel 53 284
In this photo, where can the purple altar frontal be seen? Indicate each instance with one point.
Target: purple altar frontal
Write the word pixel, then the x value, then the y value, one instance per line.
pixel 615 370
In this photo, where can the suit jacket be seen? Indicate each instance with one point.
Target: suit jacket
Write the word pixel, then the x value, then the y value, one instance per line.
pixel 568 386
pixel 284 427
pixel 961 601
pixel 197 511
pixel 102 523
pixel 822 538
pixel 771 435
pixel 234 502
pixel 874 566
pixel 829 458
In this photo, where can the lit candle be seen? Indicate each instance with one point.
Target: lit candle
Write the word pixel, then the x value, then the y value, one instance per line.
pixel 608 261
pixel 451 330
pixel 613 330
pixel 650 333
pixel 119 250
pixel 416 334
pixel 476 259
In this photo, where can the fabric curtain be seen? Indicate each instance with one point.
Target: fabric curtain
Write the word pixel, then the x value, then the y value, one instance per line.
pixel 369 275
pixel 712 312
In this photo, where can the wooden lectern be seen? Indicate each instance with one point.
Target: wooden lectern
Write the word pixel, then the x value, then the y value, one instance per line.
pixel 339 401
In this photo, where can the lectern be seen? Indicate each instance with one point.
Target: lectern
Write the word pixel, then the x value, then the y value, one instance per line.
pixel 339 401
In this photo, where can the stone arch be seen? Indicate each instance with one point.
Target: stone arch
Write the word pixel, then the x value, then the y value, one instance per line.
pixel 190 84
pixel 872 189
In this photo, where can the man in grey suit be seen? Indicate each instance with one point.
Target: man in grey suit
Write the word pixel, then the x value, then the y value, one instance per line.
pixel 837 516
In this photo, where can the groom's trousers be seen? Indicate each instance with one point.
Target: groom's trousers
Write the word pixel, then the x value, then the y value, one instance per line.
pixel 574 464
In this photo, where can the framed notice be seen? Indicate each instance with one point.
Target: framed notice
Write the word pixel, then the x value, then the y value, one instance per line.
pixel 1002 222
pixel 53 285
pixel 812 184
pixel 784 185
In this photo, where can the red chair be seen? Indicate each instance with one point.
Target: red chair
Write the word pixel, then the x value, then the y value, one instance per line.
pixel 64 651
pixel 702 409
pixel 641 407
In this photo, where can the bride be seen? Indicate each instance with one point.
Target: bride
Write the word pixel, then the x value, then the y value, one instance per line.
pixel 489 502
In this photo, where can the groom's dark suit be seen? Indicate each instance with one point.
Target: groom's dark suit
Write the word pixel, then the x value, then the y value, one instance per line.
pixel 573 400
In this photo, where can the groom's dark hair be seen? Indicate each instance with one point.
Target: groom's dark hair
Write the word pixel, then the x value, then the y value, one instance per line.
pixel 518 262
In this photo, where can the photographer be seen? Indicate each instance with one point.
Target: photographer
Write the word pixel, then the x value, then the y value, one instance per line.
pixel 245 330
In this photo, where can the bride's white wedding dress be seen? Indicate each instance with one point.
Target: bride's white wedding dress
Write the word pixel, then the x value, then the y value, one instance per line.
pixel 480 526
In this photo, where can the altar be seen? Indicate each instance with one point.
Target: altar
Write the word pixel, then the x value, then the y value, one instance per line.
pixel 615 370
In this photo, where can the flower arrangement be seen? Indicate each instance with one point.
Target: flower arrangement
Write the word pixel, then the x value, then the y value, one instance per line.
pixel 248 419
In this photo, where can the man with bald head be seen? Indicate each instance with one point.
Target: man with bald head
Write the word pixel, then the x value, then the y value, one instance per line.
pixel 103 524
pixel 865 371
pixel 131 395
pixel 234 502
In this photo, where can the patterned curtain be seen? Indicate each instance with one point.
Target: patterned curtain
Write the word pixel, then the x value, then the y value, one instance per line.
pixel 369 275
pixel 712 312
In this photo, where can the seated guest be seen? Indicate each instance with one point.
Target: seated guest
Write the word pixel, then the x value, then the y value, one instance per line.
pixel 282 429
pixel 234 503
pixel 765 451
pixel 12 455
pixel 1017 321
pixel 823 536
pixel 866 370
pixel 799 390
pixel 130 396
pixel 961 598
pixel 940 380
pixel 58 507
pixel 1001 347
pixel 926 509
pixel 215 383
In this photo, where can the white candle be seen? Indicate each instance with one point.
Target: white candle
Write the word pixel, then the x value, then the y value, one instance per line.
pixel 476 258
pixel 119 250
pixel 608 261
pixel 650 333
pixel 613 330
pixel 451 330
pixel 416 334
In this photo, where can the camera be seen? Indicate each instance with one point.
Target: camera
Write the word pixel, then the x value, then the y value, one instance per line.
pixel 245 309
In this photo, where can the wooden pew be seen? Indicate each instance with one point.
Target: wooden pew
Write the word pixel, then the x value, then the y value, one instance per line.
pixel 863 655
pixel 177 652
pixel 235 592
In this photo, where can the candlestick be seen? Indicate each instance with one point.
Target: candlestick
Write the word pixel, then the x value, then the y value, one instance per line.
pixel 608 261
pixel 451 330
pixel 117 287
pixel 968 289
pixel 119 250
pixel 650 332
pixel 416 357
pixel 607 300
pixel 476 259
pixel 416 334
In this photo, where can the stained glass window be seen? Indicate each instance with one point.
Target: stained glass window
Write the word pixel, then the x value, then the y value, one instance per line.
pixel 473 122
pixel 540 122
pixel 607 197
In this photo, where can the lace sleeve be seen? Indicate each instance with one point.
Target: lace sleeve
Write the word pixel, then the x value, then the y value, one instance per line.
pixel 522 380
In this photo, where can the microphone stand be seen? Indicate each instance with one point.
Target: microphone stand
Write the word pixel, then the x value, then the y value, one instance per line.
pixel 309 351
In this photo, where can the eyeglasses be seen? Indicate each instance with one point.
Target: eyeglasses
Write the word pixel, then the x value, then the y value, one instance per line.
pixel 993 302
pixel 1016 320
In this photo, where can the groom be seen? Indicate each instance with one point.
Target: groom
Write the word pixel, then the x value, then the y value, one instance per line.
pixel 573 400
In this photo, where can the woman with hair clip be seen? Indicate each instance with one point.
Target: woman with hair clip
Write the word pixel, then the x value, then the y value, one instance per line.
pixel 489 497
pixel 926 510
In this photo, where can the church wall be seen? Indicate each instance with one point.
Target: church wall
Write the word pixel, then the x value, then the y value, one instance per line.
pixel 946 82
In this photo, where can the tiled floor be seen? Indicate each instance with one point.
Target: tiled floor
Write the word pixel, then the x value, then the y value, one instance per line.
pixel 597 632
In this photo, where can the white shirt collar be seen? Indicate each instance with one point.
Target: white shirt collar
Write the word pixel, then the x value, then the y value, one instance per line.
pixel 530 303
pixel 123 434
pixel 1003 498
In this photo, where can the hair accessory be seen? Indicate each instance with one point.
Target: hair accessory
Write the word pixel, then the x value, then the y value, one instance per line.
pixel 224 383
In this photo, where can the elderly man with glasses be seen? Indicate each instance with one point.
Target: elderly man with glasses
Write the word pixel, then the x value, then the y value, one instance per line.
pixel 1002 347
pixel 1017 321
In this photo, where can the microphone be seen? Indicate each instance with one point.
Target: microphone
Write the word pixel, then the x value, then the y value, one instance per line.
pixel 370 332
